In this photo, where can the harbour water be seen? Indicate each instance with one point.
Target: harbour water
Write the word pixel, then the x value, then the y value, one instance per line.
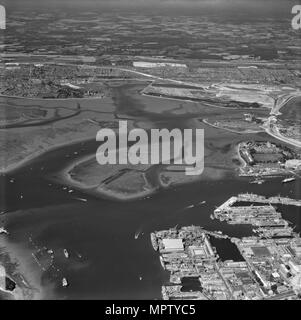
pixel 106 261
pixel 106 258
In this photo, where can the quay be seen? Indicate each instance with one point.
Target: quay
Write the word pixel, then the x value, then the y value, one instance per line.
pixel 270 266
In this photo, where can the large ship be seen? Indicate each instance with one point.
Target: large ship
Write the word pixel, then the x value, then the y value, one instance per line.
pixel 288 180
pixel 162 262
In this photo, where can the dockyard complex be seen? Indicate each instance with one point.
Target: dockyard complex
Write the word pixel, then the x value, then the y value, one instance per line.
pixel 270 267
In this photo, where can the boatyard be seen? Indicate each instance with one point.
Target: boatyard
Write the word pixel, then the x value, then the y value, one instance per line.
pixel 264 216
pixel 267 159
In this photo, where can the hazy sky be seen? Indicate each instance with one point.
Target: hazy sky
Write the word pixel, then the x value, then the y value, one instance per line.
pixel 272 3
pixel 266 5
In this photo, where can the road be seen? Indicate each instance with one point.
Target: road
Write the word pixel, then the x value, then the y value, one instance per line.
pixel 272 129
pixel 281 102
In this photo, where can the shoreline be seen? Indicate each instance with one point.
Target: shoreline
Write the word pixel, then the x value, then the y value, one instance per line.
pixel 96 190
pixel 206 104
pixel 28 284
pixel 49 99
pixel 230 130
pixel 11 168
pixel 21 164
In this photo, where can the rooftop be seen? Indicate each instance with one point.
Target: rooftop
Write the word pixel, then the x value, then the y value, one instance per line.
pixel 173 244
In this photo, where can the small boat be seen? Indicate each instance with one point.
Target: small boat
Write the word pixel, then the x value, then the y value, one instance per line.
pixel 137 234
pixel 288 180
pixel 64 283
pixel 154 241
pixel 66 253
pixel 71 191
pixel 202 202
pixel 81 199
pixel 2 230
pixel 140 278
pixel 189 207
pixel 162 262
pixel 257 181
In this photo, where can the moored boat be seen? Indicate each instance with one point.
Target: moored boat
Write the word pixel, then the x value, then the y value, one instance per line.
pixel 287 180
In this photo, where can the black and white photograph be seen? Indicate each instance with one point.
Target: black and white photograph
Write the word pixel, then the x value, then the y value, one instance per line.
pixel 150 150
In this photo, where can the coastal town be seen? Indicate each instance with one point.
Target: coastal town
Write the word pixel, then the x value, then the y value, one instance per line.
pixel 270 264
